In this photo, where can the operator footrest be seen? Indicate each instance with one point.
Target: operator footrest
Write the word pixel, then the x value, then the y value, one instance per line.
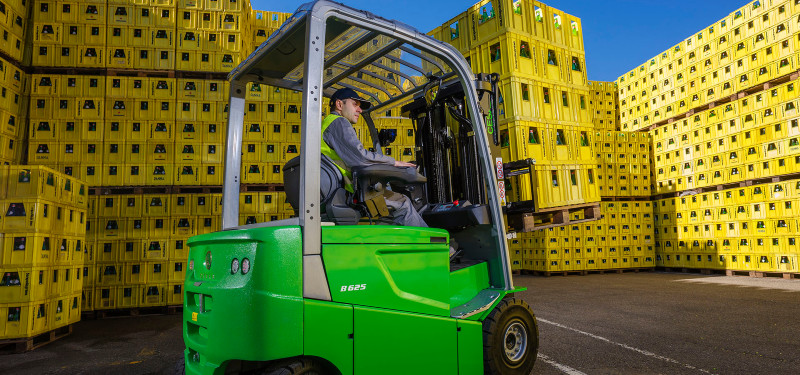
pixel 480 303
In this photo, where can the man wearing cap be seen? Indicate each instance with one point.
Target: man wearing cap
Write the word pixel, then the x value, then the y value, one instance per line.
pixel 341 144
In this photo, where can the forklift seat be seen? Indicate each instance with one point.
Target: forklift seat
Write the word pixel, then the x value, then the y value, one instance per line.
pixel 333 196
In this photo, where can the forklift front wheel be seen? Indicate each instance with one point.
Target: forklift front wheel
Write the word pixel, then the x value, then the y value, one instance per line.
pixel 510 338
pixel 298 366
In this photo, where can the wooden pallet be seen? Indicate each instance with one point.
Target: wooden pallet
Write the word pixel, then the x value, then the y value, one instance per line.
pixel 138 73
pixel 625 199
pixel 703 271
pixel 707 271
pixel 114 72
pixel 216 76
pixel 621 270
pixel 260 188
pixel 14 62
pixel 553 217
pixel 553 273
pixel 782 275
pixel 25 344
pixel 581 272
pixel 155 190
pixel 136 311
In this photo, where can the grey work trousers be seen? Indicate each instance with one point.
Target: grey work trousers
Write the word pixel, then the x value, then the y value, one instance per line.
pixel 403 213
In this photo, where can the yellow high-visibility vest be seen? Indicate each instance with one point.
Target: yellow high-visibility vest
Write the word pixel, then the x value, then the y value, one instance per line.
pixel 329 152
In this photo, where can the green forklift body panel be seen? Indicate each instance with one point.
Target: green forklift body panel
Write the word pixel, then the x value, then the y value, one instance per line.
pixel 357 340
pixel 328 333
pixel 470 347
pixel 467 282
pixel 254 316
pixel 415 343
pixel 391 267
pixel 383 234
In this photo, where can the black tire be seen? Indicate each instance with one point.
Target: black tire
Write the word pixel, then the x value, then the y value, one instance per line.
pixel 510 339
pixel 297 366
pixel 180 367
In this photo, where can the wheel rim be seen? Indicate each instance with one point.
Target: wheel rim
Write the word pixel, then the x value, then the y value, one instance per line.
pixel 515 341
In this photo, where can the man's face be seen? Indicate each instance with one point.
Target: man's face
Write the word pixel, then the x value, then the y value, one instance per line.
pixel 350 109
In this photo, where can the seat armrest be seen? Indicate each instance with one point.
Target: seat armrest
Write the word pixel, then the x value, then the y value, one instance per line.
pixel 389 173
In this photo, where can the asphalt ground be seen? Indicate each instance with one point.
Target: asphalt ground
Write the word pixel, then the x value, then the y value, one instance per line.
pixel 661 323
pixel 632 323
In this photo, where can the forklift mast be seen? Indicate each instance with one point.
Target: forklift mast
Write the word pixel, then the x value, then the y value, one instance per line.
pixel 445 139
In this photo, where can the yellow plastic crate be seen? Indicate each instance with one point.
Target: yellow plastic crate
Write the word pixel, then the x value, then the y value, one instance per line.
pixel 155 249
pixel 87 296
pixel 24 320
pixel 177 270
pixel 128 296
pixel 154 294
pixel 211 174
pixel 24 284
pixel 105 297
pixel 188 131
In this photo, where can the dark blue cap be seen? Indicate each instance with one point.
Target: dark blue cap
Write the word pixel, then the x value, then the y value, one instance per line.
pixel 348 93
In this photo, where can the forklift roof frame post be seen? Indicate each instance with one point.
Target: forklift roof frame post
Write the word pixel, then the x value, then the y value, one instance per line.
pixel 290 67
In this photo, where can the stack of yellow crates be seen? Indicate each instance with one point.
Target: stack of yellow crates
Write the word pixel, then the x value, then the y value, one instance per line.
pixel 751 46
pixel 129 131
pixel 139 256
pixel 14 25
pixel 721 108
pixel 546 106
pixel 207 36
pixel 751 228
pixel 604 103
pixel 151 129
pixel 623 163
pixel 212 36
pixel 13 111
pixel 42 248
pixel 403 146
pixel 263 24
pixel 544 94
pixel 624 238
pixel 13 81
pixel 73 33
pixel 271 133
pixel 259 207
pixel 756 136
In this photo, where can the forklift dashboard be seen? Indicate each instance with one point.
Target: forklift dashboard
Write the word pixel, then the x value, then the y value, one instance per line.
pixel 457 214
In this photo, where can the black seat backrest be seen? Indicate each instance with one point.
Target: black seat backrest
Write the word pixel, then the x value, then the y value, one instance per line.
pixel 330 180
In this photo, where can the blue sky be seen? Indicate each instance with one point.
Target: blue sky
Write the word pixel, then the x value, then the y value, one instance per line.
pixel 618 35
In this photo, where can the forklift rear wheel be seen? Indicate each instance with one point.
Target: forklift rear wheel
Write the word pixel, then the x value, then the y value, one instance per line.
pixel 297 366
pixel 510 338
pixel 180 366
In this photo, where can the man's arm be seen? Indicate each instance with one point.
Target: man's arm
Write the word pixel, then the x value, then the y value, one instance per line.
pixel 342 138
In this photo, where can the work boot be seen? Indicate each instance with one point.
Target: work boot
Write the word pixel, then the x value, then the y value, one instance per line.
pixel 453 246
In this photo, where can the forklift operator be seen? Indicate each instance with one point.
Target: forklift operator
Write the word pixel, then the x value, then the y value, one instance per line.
pixel 341 144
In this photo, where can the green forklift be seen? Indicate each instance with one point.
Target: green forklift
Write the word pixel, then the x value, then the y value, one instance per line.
pixel 336 289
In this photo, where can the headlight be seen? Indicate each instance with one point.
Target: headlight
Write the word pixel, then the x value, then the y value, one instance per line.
pixel 208 260
pixel 191 265
pixel 245 266
pixel 234 266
